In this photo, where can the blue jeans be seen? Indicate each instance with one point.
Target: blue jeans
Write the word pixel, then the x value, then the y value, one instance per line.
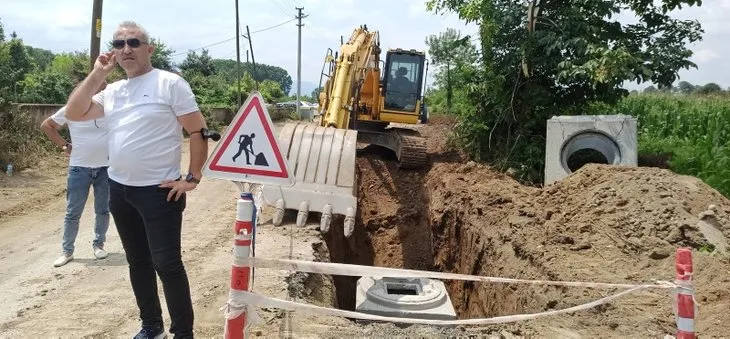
pixel 79 182
pixel 150 229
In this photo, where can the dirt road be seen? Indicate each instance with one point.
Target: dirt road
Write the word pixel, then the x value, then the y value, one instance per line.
pixel 92 298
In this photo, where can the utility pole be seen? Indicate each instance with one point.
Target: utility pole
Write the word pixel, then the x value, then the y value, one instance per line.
pixel 238 57
pixel 253 58
pixel 299 59
pixel 95 32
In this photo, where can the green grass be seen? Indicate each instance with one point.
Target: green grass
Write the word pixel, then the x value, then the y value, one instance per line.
pixel 695 130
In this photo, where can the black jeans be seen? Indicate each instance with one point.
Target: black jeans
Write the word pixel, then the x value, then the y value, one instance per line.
pixel 150 227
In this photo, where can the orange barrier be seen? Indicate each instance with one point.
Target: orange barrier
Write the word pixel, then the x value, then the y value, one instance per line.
pixel 240 275
pixel 685 307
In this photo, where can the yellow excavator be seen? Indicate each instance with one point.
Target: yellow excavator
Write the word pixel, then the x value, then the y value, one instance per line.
pixel 358 96
pixel 361 102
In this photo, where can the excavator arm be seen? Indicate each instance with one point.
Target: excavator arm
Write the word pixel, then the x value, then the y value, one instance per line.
pixel 358 59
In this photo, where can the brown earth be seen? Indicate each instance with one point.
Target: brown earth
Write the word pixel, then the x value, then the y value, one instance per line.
pixel 602 224
pixel 33 187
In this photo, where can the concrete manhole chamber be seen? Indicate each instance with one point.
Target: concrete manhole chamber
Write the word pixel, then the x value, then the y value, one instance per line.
pixel 404 298
pixel 573 141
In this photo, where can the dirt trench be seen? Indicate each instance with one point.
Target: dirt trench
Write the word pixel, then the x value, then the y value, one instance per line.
pixel 602 224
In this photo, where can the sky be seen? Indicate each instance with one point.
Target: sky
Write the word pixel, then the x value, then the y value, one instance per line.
pixel 65 25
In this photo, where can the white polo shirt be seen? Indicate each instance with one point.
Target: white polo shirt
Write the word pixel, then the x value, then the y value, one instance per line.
pixel 145 137
pixel 89 140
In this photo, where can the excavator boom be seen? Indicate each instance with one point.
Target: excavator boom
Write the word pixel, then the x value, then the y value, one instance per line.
pixel 358 57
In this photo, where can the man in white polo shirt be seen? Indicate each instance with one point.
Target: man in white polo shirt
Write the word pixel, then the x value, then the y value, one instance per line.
pixel 146 114
pixel 88 160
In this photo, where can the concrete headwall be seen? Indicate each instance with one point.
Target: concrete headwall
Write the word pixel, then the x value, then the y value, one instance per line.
pixel 222 115
pixel 277 113
pixel 225 115
pixel 38 112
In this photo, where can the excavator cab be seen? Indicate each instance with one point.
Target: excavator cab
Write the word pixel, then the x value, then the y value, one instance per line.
pixel 402 78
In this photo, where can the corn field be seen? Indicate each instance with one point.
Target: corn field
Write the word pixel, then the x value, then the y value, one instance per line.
pixel 694 130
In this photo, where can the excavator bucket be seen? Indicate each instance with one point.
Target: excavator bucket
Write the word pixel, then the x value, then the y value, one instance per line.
pixel 322 160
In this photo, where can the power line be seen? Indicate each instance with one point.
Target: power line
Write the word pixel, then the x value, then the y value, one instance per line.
pixel 279 7
pixel 199 48
pixel 229 39
pixel 289 3
pixel 277 25
pixel 317 30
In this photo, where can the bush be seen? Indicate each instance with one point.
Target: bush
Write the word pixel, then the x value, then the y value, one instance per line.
pixel 22 142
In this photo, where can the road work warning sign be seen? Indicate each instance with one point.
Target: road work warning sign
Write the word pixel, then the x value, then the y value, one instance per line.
pixel 248 150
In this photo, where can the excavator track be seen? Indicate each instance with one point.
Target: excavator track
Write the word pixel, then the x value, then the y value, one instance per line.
pixel 411 151
pixel 409 147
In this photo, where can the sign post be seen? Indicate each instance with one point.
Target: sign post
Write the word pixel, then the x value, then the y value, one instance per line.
pixel 248 153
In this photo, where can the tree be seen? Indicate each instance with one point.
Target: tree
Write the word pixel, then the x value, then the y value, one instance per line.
pixel 685 87
pixel 710 88
pixel 75 65
pixel 315 94
pixel 41 57
pixel 248 84
pixel 667 89
pixel 20 62
pixel 201 64
pixel 271 91
pixel 261 72
pixel 556 60
pixel 2 32
pixel 162 55
pixel 6 82
pixel 46 87
pixel 209 90
pixel 450 48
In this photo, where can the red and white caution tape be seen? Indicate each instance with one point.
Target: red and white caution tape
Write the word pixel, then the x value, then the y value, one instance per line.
pixel 259 300
pixel 359 271
pixel 255 299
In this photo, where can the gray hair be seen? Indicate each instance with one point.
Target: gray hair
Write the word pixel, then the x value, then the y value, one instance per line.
pixel 131 25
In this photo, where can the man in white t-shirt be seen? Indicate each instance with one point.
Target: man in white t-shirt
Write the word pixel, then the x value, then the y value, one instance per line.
pixel 146 114
pixel 88 160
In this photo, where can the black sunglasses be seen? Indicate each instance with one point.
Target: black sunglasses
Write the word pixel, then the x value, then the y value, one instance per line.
pixel 133 42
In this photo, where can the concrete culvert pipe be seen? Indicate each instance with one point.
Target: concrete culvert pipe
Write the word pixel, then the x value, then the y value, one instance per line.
pixel 589 147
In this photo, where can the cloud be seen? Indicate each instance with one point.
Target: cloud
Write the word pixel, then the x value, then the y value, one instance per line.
pixel 703 56
pixel 63 26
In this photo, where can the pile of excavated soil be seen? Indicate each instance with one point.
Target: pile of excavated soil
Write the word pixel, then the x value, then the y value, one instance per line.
pixel 602 224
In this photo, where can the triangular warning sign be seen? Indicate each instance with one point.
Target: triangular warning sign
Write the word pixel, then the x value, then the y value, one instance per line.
pixel 248 150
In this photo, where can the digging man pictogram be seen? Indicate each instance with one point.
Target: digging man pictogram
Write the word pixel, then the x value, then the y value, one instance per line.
pixel 245 144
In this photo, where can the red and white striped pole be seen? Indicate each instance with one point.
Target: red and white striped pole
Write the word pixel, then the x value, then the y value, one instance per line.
pixel 240 275
pixel 685 295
